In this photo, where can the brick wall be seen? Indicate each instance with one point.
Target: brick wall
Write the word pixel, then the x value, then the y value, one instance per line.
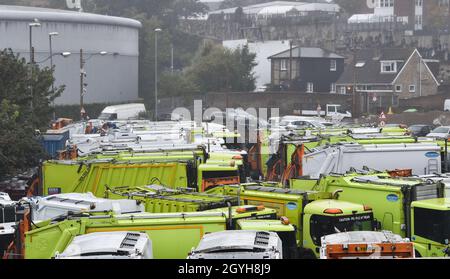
pixel 416 73
pixel 426 103
pixel 286 102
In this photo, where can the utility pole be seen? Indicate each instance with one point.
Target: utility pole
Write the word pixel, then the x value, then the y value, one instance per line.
pixel 290 64
pixel 31 25
pixel 82 73
pixel 50 35
pixel 31 66
pixel 171 59
pixel 420 75
pixel 354 114
pixel 157 30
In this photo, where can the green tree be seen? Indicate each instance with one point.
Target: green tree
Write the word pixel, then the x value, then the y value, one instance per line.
pixel 18 148
pixel 352 6
pixel 217 69
pixel 15 87
pixel 177 84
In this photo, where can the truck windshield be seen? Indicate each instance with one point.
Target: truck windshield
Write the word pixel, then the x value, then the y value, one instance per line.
pixel 108 116
pixel 326 225
pixel 289 244
pixel 432 224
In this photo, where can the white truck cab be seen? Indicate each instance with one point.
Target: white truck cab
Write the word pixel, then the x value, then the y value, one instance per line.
pixel 239 245
pixel 109 245
pixel 45 208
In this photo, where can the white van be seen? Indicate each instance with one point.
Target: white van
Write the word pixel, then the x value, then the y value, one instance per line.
pixel 122 112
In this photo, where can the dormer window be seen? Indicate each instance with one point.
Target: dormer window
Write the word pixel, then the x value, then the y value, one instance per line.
pixel 283 64
pixel 333 66
pixel 388 66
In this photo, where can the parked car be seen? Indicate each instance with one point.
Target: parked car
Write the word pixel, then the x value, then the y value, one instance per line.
pixel 299 122
pixel 420 130
pixel 440 132
pixel 401 126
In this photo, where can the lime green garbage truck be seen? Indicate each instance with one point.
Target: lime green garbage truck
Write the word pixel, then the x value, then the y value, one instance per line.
pixel 158 199
pixel 411 207
pixel 172 169
pixel 173 234
pixel 314 214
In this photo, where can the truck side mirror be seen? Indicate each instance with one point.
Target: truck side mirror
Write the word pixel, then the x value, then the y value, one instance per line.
pixel 376 225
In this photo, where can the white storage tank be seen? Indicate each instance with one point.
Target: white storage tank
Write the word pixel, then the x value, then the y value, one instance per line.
pixel 112 77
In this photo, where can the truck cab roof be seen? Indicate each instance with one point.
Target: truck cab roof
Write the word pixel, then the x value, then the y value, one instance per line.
pixel 113 245
pixel 362 237
pixel 375 179
pixel 239 244
pixel 268 225
pixel 52 206
pixel 436 204
pixel 244 211
pixel 113 109
pixel 347 208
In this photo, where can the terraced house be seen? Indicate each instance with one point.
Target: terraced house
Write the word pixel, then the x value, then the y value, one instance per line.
pixel 307 69
pixel 380 77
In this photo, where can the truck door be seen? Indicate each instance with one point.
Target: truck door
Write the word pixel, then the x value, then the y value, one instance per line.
pixel 433 166
pixel 388 222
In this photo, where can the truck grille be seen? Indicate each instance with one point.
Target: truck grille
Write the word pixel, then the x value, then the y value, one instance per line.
pixel 130 240
pixel 427 192
pixel 262 239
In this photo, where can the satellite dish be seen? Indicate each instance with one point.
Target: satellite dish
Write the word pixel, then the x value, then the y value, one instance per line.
pixel 74 4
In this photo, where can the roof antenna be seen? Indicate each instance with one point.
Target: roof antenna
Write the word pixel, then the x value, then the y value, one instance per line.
pixel 74 5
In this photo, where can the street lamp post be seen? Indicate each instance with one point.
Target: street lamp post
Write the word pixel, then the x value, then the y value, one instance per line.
pixel 83 75
pixel 157 30
pixel 50 35
pixel 31 26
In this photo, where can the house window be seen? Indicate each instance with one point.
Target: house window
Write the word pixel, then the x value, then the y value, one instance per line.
pixel 395 101
pixel 398 88
pixel 333 88
pixel 412 88
pixel 343 90
pixel 333 66
pixel 385 3
pixel 444 3
pixel 283 65
pixel 419 22
pixel 360 64
pixel 419 3
pixel 309 87
pixel 388 67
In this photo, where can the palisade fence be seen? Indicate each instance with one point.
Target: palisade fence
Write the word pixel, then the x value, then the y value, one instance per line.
pixel 376 26
pixel 286 102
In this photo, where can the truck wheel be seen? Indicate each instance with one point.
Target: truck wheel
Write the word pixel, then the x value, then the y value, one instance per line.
pixel 306 254
pixel 254 175
pixel 418 255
